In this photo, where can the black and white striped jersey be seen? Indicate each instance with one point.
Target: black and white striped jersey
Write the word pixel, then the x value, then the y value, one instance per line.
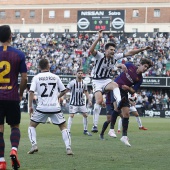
pixel 103 66
pixel 77 89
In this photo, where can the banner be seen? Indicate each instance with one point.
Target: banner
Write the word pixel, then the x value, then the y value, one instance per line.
pixel 147 81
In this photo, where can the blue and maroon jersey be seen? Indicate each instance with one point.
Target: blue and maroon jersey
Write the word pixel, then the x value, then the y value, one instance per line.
pixel 12 62
pixel 130 78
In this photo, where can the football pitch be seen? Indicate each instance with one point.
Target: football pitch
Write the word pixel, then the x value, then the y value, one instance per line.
pixel 150 149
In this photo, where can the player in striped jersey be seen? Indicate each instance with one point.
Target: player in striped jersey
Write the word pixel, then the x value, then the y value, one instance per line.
pixel 78 87
pixel 47 85
pixel 101 73
pixel 12 62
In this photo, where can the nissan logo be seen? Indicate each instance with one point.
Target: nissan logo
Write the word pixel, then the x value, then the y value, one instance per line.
pixel 83 23
pixel 117 23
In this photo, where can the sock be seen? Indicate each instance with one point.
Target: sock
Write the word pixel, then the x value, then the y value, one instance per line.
pixel 85 121
pixel 105 125
pixel 96 113
pixel 2 159
pixel 114 116
pixel 125 123
pixel 32 135
pixel 120 123
pixel 15 137
pixel 117 95
pixel 70 120
pixel 2 145
pixel 139 121
pixel 66 138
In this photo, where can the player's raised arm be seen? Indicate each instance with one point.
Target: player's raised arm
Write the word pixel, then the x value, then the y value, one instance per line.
pixel 92 48
pixel 136 51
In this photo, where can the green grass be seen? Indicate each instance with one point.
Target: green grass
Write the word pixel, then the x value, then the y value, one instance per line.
pixel 150 149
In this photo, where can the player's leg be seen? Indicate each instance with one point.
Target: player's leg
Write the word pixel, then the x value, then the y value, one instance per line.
pixel 85 124
pixel 2 147
pixel 113 86
pixel 13 117
pixel 105 125
pixel 35 119
pixel 2 142
pixel 119 125
pixel 138 119
pixel 115 113
pixel 72 111
pixel 32 137
pixel 125 123
pixel 58 119
pixel 96 110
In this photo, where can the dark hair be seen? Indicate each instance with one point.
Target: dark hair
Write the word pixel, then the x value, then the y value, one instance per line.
pixel 79 69
pixel 5 33
pixel 110 44
pixel 146 61
pixel 43 64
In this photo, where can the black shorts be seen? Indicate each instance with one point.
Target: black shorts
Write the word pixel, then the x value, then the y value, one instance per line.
pixel 124 94
pixel 11 111
pixel 109 109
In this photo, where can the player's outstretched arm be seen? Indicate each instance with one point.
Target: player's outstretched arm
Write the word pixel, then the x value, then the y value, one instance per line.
pixel 136 51
pixel 92 48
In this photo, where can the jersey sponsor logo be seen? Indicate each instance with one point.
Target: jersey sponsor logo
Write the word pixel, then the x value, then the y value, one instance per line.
pixel 49 104
pixel 129 78
pixel 5 87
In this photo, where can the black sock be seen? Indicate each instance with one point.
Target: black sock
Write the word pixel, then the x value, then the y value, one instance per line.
pixel 105 125
pixel 125 123
pixel 114 116
pixel 2 145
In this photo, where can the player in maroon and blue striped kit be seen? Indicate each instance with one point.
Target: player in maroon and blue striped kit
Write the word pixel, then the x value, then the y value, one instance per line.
pixel 12 62
pixel 129 81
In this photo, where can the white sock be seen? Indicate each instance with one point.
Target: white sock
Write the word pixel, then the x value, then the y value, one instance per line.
pixel 139 121
pixel 85 122
pixel 14 148
pixel 120 123
pixel 70 120
pixel 116 94
pixel 96 113
pixel 66 138
pixel 2 159
pixel 32 135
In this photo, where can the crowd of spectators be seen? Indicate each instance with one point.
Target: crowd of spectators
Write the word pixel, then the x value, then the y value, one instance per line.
pixel 68 52
pixel 153 100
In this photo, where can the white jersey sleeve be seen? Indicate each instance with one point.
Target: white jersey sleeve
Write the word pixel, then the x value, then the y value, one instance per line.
pixel 33 84
pixel 70 84
pixel 85 86
pixel 60 84
pixel 118 56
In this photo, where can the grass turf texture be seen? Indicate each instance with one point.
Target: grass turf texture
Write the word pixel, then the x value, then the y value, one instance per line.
pixel 150 149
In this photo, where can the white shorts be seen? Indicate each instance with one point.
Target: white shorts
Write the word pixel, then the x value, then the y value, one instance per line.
pixel 99 85
pixel 77 109
pixel 133 109
pixel 57 118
